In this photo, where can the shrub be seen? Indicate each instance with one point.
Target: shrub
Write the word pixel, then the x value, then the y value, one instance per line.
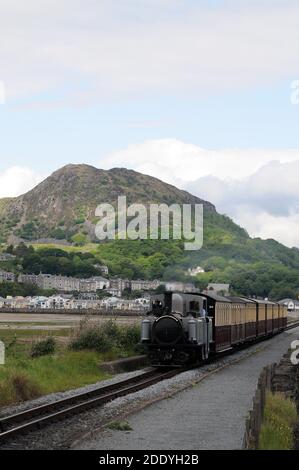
pixel 24 387
pixel 79 239
pixel 18 387
pixel 129 337
pixel 92 338
pixel 112 330
pixel 105 337
pixel 43 348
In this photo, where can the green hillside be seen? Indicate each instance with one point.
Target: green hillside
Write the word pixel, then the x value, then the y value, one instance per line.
pixel 61 211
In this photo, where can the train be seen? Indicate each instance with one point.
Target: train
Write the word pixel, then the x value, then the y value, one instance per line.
pixel 188 328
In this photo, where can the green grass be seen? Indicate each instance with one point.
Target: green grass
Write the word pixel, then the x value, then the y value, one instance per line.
pixel 120 426
pixel 49 374
pixel 279 419
pixel 86 248
pixel 23 377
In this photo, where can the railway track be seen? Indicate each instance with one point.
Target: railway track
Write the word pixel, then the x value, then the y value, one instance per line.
pixel 291 325
pixel 42 415
pixel 37 417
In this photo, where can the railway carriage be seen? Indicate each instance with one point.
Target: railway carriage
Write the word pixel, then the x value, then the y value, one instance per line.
pixel 238 307
pixel 277 311
pixel 244 323
pixel 219 309
pixel 269 319
pixel 251 320
pixel 282 317
pixel 261 306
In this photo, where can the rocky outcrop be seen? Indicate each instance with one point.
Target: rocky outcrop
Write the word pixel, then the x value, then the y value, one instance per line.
pixel 64 204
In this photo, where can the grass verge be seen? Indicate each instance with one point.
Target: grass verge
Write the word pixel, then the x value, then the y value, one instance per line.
pixel 280 417
pixel 24 378
pixel 69 364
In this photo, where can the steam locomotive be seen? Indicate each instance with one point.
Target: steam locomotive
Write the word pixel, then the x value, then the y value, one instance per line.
pixel 182 329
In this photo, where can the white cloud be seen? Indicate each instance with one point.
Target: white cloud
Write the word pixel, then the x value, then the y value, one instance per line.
pixel 264 225
pixel 17 180
pixel 258 188
pixel 101 48
pixel 266 203
pixel 179 162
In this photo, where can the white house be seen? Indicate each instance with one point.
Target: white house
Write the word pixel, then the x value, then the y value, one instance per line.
pixel 82 304
pixel 110 302
pixel 39 302
pixel 59 301
pixel 145 303
pixel 195 271
pixel 292 305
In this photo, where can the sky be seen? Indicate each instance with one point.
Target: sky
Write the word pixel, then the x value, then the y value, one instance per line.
pixel 202 94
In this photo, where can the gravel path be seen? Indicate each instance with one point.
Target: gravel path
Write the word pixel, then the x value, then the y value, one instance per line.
pixel 210 415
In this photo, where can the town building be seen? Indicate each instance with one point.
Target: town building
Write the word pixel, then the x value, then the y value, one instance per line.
pixel 140 284
pixel 114 292
pixel 48 281
pixel 143 302
pixel 103 268
pixel 117 285
pixel 7 276
pixel 195 271
pixel 6 257
pixel 39 302
pixel 221 289
pixel 16 302
pixel 291 304
pixel 65 283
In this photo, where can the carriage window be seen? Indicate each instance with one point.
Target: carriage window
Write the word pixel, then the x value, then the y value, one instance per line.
pixel 177 303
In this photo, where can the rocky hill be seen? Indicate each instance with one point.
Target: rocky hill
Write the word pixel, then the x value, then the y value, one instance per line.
pixel 64 204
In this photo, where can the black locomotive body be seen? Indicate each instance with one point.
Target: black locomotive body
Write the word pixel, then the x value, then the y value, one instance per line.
pixel 181 328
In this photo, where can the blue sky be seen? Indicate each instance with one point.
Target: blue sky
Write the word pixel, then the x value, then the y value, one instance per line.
pixel 46 138
pixel 161 86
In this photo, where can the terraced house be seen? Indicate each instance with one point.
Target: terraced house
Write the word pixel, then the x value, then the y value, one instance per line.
pixel 7 276
pixel 64 283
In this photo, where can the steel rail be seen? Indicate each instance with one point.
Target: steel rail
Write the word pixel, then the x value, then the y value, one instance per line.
pixel 36 417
